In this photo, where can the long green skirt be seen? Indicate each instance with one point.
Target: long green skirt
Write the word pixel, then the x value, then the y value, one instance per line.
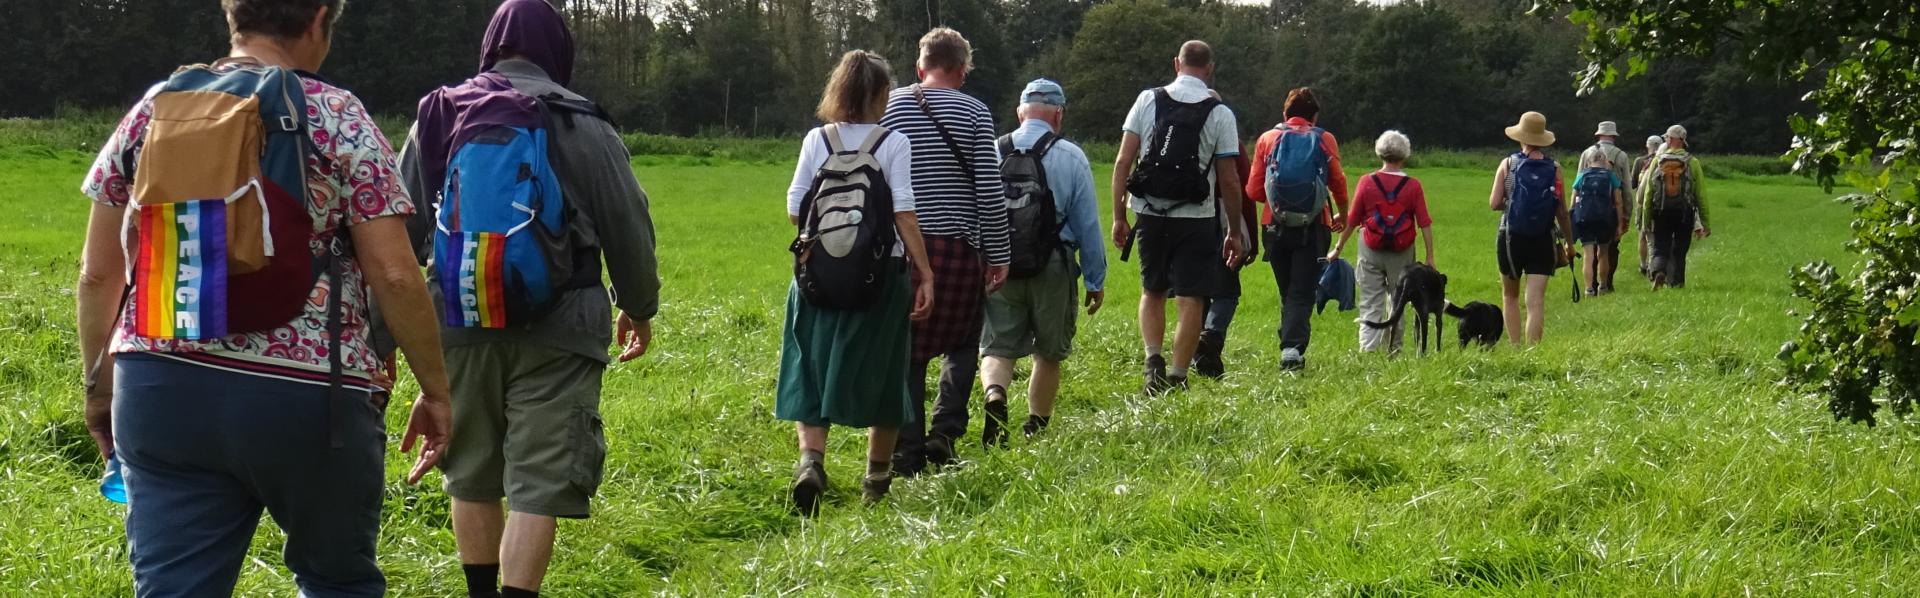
pixel 847 367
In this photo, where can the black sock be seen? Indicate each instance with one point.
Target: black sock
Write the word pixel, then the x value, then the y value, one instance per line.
pixel 996 389
pixel 513 592
pixel 879 468
pixel 812 456
pixel 483 581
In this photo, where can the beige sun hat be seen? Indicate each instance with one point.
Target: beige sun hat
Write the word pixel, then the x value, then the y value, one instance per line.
pixel 1676 132
pixel 1531 130
pixel 1607 127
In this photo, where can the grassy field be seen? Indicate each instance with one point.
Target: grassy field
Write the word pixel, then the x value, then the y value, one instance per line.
pixel 1643 449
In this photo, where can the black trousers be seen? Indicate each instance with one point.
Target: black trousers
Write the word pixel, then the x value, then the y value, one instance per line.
pixel 1670 236
pixel 1295 255
pixel 958 369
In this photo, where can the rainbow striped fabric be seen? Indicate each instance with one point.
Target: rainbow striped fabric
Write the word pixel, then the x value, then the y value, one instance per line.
pixel 476 297
pixel 180 272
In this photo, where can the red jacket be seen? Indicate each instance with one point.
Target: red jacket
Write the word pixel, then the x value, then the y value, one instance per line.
pixel 1257 179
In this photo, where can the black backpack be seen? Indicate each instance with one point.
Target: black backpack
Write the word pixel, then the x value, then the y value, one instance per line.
pixel 1030 206
pixel 1172 167
pixel 846 227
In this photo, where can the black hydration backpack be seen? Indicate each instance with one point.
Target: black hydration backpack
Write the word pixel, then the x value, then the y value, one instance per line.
pixel 846 227
pixel 1030 206
pixel 1172 167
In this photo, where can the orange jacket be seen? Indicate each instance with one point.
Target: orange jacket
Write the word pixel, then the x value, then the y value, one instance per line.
pixel 1336 178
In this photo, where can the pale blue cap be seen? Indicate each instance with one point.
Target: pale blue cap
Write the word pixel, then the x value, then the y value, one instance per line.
pixel 1044 91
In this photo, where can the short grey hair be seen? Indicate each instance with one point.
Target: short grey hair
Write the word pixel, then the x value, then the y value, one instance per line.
pixel 1653 142
pixel 1393 147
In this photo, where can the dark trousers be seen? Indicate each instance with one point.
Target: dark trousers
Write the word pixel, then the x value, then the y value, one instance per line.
pixel 1671 235
pixel 958 369
pixel 1295 254
pixel 204 451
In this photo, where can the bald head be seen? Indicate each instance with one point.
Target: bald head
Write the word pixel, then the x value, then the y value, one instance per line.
pixel 1196 54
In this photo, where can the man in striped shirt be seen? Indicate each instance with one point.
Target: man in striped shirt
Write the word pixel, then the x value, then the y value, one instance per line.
pixel 963 217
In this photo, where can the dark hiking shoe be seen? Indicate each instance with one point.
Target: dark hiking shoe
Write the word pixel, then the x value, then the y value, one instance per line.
pixel 993 434
pixel 1156 375
pixel 1292 360
pixel 809 483
pixel 1206 360
pixel 874 488
pixel 1035 425
pixel 1176 383
pixel 939 451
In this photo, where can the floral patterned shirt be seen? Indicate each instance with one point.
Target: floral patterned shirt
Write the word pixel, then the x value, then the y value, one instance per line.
pixel 351 178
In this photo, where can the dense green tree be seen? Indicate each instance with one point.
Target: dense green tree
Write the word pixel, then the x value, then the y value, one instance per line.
pixel 1122 48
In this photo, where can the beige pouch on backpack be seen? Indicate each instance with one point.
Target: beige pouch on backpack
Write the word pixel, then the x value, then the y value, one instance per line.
pixel 206 146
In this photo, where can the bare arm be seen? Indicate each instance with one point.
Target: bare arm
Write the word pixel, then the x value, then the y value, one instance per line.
pixel 1426 234
pixel 97 301
pixel 1497 199
pixel 1122 170
pixel 908 225
pixel 1230 196
pixel 384 252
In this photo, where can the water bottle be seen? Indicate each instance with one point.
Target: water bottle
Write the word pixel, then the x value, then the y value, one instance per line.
pixel 112 486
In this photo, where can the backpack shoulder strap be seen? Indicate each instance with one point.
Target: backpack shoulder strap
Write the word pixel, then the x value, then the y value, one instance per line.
pixel 568 109
pixel 1005 145
pixel 1042 145
pixel 830 133
pixel 871 145
pixel 1394 195
pixel 1162 105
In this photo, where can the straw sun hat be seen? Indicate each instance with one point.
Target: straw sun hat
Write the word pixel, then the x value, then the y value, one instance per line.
pixel 1531 130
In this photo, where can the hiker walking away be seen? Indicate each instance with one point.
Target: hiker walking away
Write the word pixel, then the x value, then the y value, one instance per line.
pixel 963 215
pixel 1171 186
pixel 1389 206
pixel 1221 306
pixel 222 314
pixel 526 372
pixel 1639 216
pixel 1296 173
pixel 1528 190
pixel 1676 211
pixel 1599 218
pixel 1619 164
pixel 1054 214
pixel 843 352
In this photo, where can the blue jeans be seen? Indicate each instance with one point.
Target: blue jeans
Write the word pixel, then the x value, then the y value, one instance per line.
pixel 204 451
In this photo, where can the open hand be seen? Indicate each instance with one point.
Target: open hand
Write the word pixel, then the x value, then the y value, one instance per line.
pixel 430 425
pixel 634 338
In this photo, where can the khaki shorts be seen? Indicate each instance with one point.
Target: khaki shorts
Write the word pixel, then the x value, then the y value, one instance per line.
pixel 1034 315
pixel 526 427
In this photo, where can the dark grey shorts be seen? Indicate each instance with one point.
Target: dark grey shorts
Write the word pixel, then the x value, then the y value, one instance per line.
pixel 1034 315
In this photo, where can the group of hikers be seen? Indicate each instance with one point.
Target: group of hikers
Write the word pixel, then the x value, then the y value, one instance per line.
pixel 255 252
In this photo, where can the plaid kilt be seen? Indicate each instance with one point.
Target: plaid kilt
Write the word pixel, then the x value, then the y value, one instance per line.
pixel 959 299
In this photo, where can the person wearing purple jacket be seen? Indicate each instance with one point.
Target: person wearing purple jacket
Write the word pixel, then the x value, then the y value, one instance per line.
pixel 526 398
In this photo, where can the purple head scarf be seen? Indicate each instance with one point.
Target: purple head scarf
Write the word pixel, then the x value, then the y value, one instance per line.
pixel 534 30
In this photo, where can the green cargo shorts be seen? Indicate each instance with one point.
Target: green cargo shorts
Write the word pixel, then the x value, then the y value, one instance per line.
pixel 526 427
pixel 1034 315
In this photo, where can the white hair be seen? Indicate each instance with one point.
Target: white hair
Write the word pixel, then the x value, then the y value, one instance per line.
pixel 1393 147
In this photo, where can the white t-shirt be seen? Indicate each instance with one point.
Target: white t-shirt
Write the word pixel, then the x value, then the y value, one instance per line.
pixel 895 156
pixel 1220 138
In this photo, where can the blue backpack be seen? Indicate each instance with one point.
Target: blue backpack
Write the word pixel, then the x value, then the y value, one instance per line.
pixel 1297 177
pixel 504 246
pixel 1593 197
pixel 1532 200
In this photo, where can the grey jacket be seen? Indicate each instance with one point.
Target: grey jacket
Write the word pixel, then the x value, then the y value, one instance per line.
pixel 596 176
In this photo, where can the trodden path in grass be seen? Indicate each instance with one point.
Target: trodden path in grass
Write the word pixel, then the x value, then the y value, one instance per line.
pixel 1643 449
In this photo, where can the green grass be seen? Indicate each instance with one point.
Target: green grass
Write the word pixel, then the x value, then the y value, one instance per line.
pixel 1643 449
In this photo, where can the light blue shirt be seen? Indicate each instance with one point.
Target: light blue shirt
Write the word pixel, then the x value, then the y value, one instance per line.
pixel 1070 177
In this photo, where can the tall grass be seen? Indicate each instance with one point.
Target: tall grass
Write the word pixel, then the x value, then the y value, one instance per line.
pixel 1642 449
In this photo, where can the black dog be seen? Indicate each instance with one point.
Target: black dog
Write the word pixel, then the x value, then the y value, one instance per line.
pixel 1480 322
pixel 1426 289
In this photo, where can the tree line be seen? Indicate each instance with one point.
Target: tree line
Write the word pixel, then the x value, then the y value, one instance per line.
pixel 1449 73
